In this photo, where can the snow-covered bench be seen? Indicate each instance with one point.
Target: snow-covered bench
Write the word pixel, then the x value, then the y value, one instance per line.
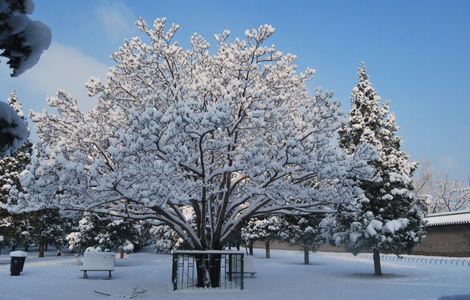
pixel 248 266
pixel 97 261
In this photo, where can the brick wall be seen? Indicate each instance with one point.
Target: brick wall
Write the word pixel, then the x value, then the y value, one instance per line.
pixel 448 240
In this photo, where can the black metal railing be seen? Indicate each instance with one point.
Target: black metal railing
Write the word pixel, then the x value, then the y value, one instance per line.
pixel 193 269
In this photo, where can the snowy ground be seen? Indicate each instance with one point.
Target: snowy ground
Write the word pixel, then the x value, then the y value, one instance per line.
pixel 281 277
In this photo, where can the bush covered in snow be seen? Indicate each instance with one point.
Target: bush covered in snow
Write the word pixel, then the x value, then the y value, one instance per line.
pixel 164 238
pixel 108 234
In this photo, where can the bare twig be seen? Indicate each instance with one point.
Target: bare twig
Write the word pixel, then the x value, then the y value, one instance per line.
pixel 101 293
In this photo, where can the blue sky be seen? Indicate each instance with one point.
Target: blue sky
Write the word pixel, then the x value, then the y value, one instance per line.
pixel 417 54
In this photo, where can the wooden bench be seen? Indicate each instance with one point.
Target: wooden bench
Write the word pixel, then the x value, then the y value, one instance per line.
pixel 97 261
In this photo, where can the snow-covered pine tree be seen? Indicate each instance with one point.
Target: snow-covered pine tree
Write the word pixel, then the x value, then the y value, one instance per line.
pixel 22 42
pixel 106 234
pixel 389 218
pixel 265 229
pixel 14 227
pixel 303 231
pixel 163 238
pixel 47 227
pixel 13 129
pixel 39 227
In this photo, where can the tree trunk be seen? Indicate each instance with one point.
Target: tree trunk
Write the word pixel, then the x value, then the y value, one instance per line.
pixel 268 249
pixel 377 267
pixel 306 255
pixel 42 246
pixel 200 270
pixel 250 246
pixel 214 269
pixel 208 270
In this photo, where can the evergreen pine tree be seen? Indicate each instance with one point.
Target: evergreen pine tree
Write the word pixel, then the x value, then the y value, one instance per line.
pixel 389 219
pixel 47 227
pixel 265 229
pixel 303 231
pixel 165 238
pixel 23 229
pixel 105 234
pixel 14 227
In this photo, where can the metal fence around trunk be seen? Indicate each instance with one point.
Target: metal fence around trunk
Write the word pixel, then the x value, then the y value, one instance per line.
pixel 193 269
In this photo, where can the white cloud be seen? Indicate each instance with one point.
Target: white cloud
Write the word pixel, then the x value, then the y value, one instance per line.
pixel 59 67
pixel 116 18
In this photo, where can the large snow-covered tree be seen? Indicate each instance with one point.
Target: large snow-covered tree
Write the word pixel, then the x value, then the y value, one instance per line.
pixel 231 133
pixel 389 218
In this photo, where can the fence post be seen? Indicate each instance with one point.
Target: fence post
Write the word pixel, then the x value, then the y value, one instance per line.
pixel 242 276
pixel 230 268
pixel 173 271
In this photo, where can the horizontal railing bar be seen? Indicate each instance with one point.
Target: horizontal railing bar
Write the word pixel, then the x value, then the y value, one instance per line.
pixel 207 252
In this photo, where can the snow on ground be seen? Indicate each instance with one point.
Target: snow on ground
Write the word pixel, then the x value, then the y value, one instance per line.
pixel 281 277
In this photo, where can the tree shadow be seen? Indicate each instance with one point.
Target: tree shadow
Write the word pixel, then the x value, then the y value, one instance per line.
pixel 371 275
pixel 455 297
pixel 311 264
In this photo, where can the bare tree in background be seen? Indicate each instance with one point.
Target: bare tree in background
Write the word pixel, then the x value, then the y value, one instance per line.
pixel 440 193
